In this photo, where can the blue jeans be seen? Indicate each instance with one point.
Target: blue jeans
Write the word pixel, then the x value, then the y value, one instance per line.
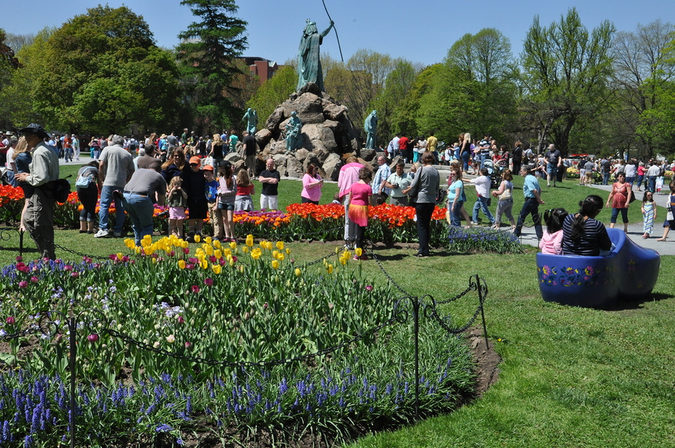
pixel 605 178
pixel 615 214
pixel 424 212
pixel 652 183
pixel 68 154
pixel 140 209
pixel 531 206
pixel 640 178
pixel 481 203
pixel 455 214
pixel 104 212
pixel 465 160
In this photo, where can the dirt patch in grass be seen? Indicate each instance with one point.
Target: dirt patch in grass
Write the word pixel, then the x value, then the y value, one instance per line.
pixel 487 360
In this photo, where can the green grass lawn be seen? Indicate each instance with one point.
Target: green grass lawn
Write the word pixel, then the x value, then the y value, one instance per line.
pixel 570 377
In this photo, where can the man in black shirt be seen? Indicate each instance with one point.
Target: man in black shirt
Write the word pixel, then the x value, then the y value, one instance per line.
pixel 553 162
pixel 269 198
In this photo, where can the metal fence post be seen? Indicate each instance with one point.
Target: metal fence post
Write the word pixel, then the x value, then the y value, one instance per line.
pixel 72 327
pixel 416 320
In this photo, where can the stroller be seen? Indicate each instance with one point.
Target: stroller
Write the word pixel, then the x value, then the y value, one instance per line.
pixel 494 172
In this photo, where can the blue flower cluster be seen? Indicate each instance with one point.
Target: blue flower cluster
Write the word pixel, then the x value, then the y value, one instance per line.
pixel 483 240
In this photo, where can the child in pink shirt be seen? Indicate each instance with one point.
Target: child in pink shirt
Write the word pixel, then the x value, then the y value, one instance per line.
pixel 551 242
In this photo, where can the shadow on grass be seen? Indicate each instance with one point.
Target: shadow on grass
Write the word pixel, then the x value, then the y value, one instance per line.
pixel 623 305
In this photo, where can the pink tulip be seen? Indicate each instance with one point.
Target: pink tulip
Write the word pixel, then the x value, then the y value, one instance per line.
pixel 11 320
pixel 92 337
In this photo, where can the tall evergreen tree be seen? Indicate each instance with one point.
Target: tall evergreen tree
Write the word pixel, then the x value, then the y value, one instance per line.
pixel 207 51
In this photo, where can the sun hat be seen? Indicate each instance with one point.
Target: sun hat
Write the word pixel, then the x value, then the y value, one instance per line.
pixel 36 129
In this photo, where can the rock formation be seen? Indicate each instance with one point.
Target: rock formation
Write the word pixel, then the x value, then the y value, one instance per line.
pixel 328 135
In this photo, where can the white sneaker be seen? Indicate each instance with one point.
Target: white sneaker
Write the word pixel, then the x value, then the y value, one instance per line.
pixel 102 233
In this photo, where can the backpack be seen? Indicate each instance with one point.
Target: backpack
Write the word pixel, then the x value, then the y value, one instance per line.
pixel 84 179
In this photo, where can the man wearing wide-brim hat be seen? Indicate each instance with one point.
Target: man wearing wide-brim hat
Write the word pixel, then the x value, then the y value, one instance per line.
pixel 39 216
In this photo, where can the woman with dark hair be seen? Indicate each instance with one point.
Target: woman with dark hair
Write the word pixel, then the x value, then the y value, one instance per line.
pixel 174 165
pixel 620 199
pixel 311 185
pixel 88 195
pixel 582 234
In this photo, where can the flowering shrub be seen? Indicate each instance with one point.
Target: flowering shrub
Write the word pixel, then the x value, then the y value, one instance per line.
pixel 166 307
pixel 483 240
pixel 572 173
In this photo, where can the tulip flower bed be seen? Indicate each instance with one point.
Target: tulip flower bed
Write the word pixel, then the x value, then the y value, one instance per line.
pixel 173 342
pixel 387 223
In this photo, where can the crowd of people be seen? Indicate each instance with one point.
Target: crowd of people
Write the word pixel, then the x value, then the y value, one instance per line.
pixel 190 175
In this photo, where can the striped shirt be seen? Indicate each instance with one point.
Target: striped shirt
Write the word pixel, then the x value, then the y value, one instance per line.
pixel 593 239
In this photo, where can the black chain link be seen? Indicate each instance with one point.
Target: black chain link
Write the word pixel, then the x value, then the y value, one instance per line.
pixel 386 274
pixel 33 329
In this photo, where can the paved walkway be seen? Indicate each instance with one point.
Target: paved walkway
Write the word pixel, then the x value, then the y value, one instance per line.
pixel 528 235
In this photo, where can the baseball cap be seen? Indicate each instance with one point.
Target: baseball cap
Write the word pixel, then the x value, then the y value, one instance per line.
pixel 207 168
pixel 195 160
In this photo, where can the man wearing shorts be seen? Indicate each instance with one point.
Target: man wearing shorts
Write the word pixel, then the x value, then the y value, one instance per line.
pixel 269 198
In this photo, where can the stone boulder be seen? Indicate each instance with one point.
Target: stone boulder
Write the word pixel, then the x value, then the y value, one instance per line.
pixel 331 166
pixel 327 134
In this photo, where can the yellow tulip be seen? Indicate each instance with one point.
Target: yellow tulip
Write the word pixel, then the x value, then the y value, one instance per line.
pixel 280 245
pixel 358 251
pixel 208 240
pixel 249 240
pixel 154 261
pixel 209 250
pixel 330 268
pixel 198 238
pixel 244 249
pixel 216 268
pixel 218 253
pixel 216 244
pixel 181 264
pixel 288 251
pixel 204 264
pixel 137 250
pixel 231 261
pixel 281 257
pixel 343 261
pixel 119 255
pixel 298 272
pixel 275 264
pixel 275 253
pixel 233 245
pixel 346 254
pixel 129 243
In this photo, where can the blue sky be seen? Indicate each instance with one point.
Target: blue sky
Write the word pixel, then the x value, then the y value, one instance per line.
pixel 421 31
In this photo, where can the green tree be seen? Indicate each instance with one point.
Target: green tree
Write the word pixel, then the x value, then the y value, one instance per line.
pixel 101 72
pixel 358 82
pixel 208 51
pixel 643 70
pixel 659 121
pixel 273 92
pixel 390 105
pixel 566 76
pixel 474 90
pixel 8 64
